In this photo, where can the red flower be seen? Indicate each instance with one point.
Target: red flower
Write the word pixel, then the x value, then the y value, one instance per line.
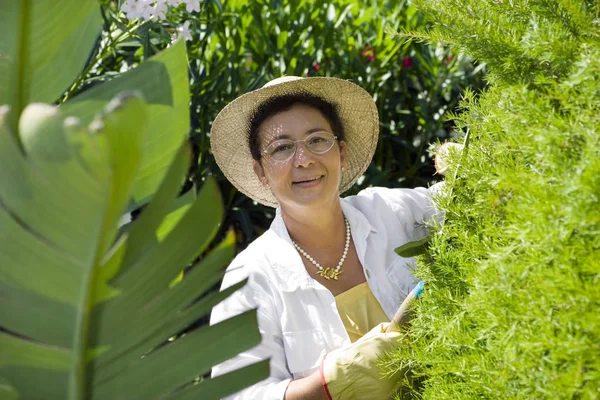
pixel 368 53
pixel 317 66
pixel 407 62
pixel 449 58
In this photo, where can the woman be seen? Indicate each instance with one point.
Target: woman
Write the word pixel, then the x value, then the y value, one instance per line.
pixel 324 277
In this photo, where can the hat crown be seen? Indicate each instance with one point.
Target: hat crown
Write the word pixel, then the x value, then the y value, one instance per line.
pixel 282 79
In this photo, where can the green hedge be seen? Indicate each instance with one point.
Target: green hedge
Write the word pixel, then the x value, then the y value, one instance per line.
pixel 511 306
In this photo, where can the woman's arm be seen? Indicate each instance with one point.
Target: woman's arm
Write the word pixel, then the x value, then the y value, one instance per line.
pixel 255 294
pixel 352 372
pixel 309 388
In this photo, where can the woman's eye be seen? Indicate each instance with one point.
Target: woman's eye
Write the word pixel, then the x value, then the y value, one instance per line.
pixel 282 147
pixel 317 140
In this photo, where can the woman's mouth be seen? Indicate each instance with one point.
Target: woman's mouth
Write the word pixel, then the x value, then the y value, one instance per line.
pixel 306 183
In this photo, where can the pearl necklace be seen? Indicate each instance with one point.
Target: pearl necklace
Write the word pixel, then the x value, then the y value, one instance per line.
pixel 328 273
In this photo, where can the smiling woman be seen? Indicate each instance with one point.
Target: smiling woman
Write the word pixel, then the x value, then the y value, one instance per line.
pixel 301 165
pixel 325 277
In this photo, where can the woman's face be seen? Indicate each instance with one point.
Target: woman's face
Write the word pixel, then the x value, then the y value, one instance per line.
pixel 306 179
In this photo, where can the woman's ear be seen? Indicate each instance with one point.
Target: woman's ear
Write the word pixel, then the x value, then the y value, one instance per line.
pixel 343 154
pixel 260 172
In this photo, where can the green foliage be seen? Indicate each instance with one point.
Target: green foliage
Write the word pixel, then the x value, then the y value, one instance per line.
pixel 510 309
pixel 97 305
pixel 240 45
pixel 88 305
pixel 162 80
pixel 413 249
pixel 548 34
pixel 32 67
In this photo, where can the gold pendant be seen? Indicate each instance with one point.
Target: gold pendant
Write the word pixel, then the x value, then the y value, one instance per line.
pixel 329 273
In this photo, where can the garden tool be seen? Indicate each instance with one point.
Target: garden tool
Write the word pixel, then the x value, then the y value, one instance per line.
pixel 403 314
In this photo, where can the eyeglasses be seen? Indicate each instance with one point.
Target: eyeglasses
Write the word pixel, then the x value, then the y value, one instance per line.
pixel 284 149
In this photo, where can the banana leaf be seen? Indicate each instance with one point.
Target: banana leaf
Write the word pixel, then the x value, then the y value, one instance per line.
pixel 43 47
pixel 88 308
pixel 163 81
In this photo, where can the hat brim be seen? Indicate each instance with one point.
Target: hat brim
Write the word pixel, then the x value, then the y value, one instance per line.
pixel 230 130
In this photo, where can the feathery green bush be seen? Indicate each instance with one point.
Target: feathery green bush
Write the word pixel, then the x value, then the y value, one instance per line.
pixel 511 305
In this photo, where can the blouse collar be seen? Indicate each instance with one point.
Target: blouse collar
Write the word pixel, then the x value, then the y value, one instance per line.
pixel 287 262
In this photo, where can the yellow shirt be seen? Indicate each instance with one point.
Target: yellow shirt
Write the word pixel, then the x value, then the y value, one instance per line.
pixel 360 311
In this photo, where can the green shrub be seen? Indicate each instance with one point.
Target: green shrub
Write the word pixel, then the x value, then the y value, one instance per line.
pixel 510 309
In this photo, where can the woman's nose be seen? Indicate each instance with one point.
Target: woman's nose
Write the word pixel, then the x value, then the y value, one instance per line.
pixel 303 157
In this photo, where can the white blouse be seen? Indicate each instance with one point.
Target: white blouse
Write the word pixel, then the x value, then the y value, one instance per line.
pixel 297 316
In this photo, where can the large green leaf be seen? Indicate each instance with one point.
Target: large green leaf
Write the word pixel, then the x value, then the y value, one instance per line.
pixel 34 48
pixel 59 219
pixel 221 386
pixel 163 81
pixel 414 248
pixel 86 306
pixel 7 392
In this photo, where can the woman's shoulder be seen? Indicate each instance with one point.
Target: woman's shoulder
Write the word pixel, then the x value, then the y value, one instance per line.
pixel 407 205
pixel 393 197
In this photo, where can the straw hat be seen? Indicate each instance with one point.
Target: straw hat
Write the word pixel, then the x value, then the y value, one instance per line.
pixel 230 130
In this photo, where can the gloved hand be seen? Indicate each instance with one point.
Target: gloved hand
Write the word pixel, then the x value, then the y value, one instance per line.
pixel 351 372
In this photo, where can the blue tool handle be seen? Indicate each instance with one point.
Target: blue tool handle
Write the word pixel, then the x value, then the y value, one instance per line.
pixel 402 316
pixel 419 289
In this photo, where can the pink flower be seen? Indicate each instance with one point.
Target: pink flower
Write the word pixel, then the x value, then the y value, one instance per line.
pixel 407 62
pixel 368 53
pixel 317 66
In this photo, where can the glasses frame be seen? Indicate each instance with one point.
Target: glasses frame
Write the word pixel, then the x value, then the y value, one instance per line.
pixel 264 152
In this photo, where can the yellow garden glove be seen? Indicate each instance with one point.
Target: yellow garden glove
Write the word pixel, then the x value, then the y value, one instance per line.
pixel 351 371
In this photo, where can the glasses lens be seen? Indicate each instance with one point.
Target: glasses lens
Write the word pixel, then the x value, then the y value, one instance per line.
pixel 320 142
pixel 281 150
